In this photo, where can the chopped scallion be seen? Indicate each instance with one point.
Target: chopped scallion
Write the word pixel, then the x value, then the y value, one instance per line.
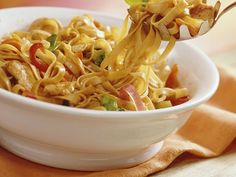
pixel 132 2
pixel 109 103
pixel 98 57
pixel 53 42
pixel 163 104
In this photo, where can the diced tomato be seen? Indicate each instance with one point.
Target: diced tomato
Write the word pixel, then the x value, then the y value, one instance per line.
pixel 36 62
pixel 68 75
pixel 80 55
pixel 124 95
pixel 29 94
pixel 179 101
pixel 68 70
pixel 172 81
pixel 128 92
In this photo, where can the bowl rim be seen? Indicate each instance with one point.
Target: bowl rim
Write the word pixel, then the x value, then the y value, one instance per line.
pixel 85 11
pixel 110 114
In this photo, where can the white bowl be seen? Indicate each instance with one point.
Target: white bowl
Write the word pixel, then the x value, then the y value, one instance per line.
pixel 80 139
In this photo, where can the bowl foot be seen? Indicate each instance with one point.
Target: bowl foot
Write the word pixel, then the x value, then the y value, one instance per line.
pixel 54 156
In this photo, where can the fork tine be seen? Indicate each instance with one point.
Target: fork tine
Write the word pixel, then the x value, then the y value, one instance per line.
pixel 225 10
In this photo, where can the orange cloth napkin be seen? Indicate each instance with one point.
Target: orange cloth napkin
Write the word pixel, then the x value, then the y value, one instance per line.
pixel 208 132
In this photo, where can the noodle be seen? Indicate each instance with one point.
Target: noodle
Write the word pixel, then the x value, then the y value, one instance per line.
pixel 88 65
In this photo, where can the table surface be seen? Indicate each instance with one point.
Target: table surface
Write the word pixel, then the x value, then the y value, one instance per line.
pixel 219 44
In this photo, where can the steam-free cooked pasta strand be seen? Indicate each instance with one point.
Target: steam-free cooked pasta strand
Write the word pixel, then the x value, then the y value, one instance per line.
pixel 89 65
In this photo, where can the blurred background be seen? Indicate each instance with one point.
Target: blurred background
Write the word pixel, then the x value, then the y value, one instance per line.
pixel 219 43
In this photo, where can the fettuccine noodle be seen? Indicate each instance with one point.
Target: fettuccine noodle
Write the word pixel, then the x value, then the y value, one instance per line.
pixel 89 65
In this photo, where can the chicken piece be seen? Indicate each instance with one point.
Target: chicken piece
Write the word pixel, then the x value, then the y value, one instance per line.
pixel 4 80
pixel 60 89
pixel 202 11
pixel 22 73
